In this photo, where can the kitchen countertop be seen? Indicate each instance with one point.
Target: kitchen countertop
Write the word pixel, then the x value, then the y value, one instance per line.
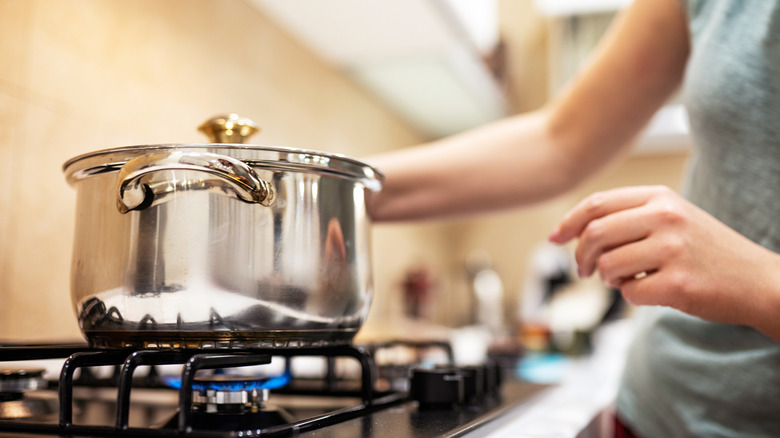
pixel 579 405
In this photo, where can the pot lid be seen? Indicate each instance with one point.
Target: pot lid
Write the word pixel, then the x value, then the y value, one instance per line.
pixel 228 132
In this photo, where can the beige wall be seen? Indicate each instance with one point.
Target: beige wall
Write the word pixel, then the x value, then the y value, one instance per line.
pixel 82 75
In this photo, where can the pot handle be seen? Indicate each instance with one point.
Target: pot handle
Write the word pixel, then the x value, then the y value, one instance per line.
pixel 135 194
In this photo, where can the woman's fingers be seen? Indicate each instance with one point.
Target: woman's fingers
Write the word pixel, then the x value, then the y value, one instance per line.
pixel 632 262
pixel 624 232
pixel 607 233
pixel 599 205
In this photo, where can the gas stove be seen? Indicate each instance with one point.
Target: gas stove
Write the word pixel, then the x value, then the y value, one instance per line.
pixel 246 393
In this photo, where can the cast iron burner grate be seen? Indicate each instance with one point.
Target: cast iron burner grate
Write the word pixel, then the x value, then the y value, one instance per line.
pixel 192 361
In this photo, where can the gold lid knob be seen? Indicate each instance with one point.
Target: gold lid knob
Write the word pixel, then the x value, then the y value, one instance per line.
pixel 228 128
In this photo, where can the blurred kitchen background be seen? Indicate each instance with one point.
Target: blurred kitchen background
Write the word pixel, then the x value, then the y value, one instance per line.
pixel 356 77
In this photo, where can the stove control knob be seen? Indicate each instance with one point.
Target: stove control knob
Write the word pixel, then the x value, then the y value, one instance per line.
pixel 440 388
pixel 492 371
pixel 473 382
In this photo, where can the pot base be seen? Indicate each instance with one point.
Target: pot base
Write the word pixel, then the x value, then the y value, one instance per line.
pixel 218 339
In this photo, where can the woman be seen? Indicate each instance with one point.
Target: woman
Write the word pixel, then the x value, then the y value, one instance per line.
pixel 706 360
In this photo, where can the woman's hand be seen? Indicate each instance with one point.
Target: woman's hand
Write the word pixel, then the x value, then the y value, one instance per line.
pixel 660 249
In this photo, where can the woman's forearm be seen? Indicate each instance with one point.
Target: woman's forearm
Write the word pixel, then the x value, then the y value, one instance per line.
pixel 505 164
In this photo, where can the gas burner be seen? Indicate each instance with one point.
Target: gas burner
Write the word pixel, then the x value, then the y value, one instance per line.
pixel 231 402
pixel 14 382
pixel 15 402
pixel 231 393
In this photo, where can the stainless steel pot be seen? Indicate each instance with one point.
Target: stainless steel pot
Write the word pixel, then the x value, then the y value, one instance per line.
pixel 220 245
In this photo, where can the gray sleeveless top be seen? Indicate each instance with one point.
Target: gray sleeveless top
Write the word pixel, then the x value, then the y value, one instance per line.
pixel 686 376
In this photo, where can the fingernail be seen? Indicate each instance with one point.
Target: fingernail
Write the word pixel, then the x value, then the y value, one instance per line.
pixel 554 236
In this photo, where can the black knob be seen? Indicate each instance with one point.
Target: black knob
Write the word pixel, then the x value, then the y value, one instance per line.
pixel 440 388
pixel 499 374
pixel 492 378
pixel 473 382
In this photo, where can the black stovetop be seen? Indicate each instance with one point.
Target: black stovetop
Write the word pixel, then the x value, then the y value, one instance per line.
pixel 125 404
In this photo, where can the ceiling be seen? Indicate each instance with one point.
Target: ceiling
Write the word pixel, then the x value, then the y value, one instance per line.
pixel 424 59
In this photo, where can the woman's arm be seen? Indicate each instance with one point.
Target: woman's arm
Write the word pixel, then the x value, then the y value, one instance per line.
pixel 536 156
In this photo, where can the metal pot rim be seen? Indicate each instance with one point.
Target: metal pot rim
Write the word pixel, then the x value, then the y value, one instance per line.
pixel 277 158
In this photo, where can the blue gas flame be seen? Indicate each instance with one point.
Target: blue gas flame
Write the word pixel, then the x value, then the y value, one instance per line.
pixel 233 385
